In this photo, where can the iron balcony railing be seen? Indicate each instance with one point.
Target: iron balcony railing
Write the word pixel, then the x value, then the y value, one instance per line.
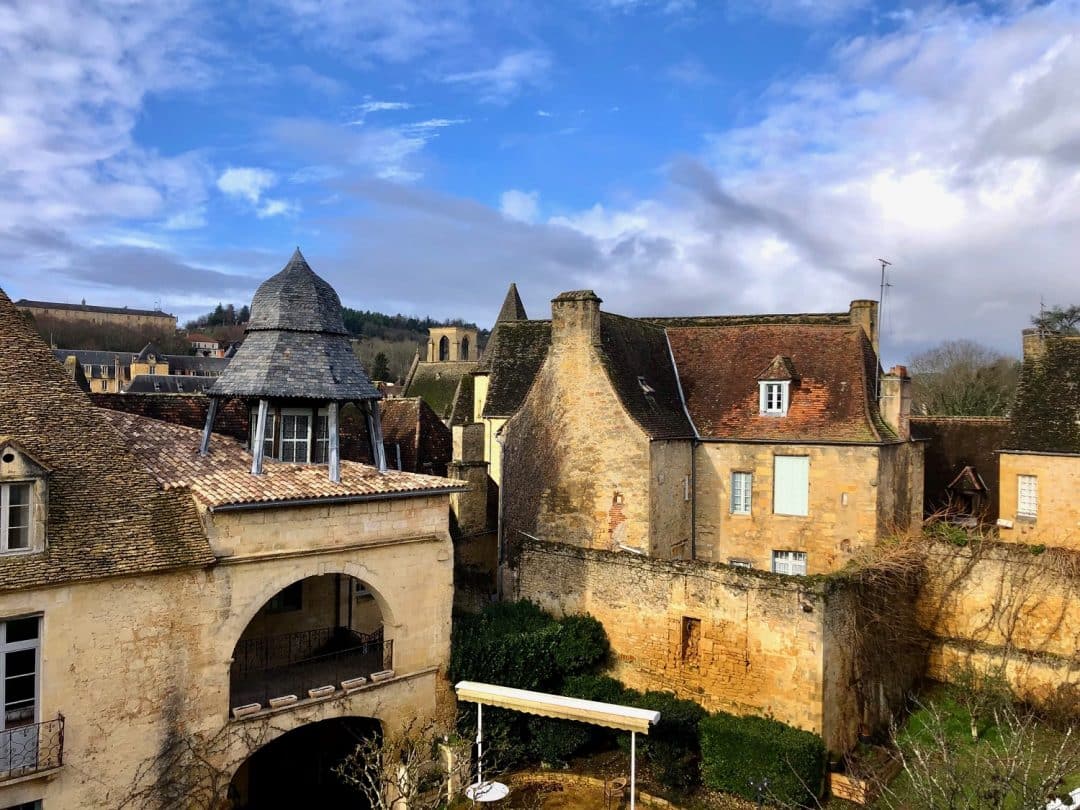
pixel 25 750
pixel 293 663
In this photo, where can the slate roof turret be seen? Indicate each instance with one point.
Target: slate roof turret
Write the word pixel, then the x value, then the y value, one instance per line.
pixel 296 345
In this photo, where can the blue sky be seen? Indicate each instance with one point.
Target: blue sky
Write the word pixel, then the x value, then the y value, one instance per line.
pixel 676 156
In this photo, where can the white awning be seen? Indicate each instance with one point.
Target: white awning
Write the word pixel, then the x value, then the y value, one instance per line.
pixel 611 715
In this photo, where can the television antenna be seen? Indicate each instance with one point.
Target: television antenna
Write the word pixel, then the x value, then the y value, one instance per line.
pixel 885 265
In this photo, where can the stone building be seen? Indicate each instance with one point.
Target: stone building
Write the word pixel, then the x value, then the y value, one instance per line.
pixel 110 372
pixel 1040 462
pixel 442 374
pixel 176 626
pixel 670 475
pixel 124 317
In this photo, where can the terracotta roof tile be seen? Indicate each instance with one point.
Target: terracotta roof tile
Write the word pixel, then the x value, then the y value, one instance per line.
pixel 223 478
pixel 831 401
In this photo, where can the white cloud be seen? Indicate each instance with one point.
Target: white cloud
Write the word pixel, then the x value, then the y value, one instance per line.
pixel 690 72
pixel 509 76
pixel 523 206
pixel 246 183
pixel 543 114
pixel 273 208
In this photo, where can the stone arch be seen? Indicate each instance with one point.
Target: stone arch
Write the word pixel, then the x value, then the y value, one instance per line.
pixel 444 349
pixel 464 348
pixel 239 619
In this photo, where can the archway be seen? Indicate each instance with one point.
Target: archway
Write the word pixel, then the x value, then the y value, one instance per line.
pixel 317 632
pixel 444 349
pixel 464 348
pixel 297 768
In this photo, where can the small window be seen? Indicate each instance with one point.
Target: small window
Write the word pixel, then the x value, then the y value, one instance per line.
pixel 153 369
pixel 791 485
pixel 268 440
pixel 792 563
pixel 773 398
pixel 88 370
pixel 444 349
pixel 741 484
pixel 736 562
pixel 294 436
pixel 15 516
pixel 320 452
pixel 20 640
pixel 464 349
pixel 288 600
pixel 691 639
pixel 1027 496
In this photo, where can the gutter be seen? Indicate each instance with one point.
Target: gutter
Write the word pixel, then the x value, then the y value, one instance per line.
pixel 335 499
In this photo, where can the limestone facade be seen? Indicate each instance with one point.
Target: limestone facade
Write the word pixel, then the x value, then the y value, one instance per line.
pixel 1053 480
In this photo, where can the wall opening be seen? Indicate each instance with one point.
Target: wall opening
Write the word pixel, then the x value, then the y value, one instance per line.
pixel 691 639
pixel 444 349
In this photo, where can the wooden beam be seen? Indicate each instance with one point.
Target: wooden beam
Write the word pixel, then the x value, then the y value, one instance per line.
pixel 335 449
pixel 260 439
pixel 204 448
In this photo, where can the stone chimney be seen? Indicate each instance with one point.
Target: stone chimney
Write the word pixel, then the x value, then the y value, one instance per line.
pixel 895 402
pixel 864 312
pixel 575 316
pixel 1034 345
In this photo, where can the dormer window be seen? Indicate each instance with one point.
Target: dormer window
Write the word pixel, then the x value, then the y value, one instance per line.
pixel 23 497
pixel 774 397
pixel 15 516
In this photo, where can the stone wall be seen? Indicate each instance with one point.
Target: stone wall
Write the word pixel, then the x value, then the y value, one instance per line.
pixel 670 495
pixel 955 442
pixel 138 665
pixel 1057 522
pixel 748 642
pixel 1008 608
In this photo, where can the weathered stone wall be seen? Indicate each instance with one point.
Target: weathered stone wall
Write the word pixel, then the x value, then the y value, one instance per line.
pixel 953 443
pixel 842 504
pixel 747 642
pixel 1007 608
pixel 899 485
pixel 577 467
pixel 1058 520
pixel 670 499
pixel 137 664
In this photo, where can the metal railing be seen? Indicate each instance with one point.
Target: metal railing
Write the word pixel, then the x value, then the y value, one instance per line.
pixel 293 663
pixel 31 748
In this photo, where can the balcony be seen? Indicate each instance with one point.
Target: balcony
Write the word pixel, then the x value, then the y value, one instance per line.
pixel 293 663
pixel 30 749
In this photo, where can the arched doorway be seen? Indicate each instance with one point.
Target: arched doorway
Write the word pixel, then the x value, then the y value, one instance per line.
pixel 444 349
pixel 464 348
pixel 297 769
pixel 317 632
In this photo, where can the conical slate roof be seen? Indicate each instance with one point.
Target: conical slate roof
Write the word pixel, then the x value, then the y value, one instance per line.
pixel 295 345
pixel 512 308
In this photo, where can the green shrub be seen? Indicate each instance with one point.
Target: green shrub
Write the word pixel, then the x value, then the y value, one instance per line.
pixel 556 741
pixel 672 746
pixel 582 646
pixel 739 751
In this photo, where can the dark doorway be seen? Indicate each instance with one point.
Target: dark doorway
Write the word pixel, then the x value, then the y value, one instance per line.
pixel 444 349
pixel 297 769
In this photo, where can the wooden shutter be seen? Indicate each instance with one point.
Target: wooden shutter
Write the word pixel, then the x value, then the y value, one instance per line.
pixel 791 485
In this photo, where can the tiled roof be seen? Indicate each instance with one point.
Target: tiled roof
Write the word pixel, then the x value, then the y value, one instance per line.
pixel 148 351
pixel 437 383
pixel 106 516
pixel 462 411
pixel 22 302
pixel 185 362
pixel 805 318
pixel 298 300
pixel 512 308
pixel 412 427
pixel 223 478
pixel 169 384
pixel 636 356
pixel 512 366
pixel 1046 414
pixel 831 401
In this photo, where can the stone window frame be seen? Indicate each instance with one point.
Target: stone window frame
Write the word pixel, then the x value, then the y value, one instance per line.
pixel 740 562
pixel 743 505
pixel 690 640
pixel 1027 503
pixel 767 403
pixel 17 467
pixel 787 559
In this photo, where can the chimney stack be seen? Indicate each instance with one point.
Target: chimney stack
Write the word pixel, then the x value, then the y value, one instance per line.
pixel 1034 345
pixel 864 312
pixel 575 316
pixel 895 402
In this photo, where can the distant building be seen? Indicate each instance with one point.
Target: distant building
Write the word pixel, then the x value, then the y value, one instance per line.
pixel 113 372
pixel 442 375
pixel 113 316
pixel 205 345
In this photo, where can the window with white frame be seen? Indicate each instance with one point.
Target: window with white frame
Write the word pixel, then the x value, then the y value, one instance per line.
pixel 268 440
pixel 738 562
pixel 791 563
pixel 20 642
pixel 88 369
pixel 1027 496
pixel 791 485
pixel 741 484
pixel 295 435
pixel 773 397
pixel 15 515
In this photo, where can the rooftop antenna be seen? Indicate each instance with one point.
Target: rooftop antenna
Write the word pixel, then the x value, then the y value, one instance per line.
pixel 885 264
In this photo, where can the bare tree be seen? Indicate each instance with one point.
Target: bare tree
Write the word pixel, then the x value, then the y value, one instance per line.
pixel 963 378
pixel 407 767
pixel 1013 768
